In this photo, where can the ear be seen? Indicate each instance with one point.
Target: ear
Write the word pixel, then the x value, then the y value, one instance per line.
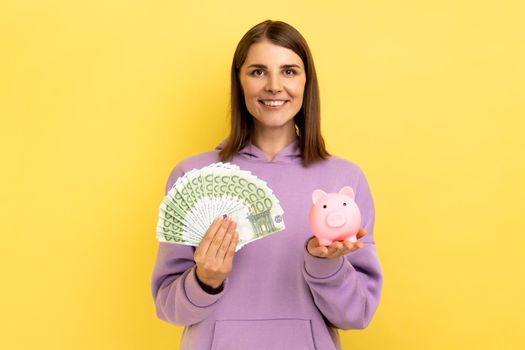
pixel 348 191
pixel 318 194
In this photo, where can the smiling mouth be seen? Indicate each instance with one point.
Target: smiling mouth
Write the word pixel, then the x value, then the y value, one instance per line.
pixel 273 103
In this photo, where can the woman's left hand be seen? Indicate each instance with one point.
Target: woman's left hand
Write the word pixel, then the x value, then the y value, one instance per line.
pixel 336 249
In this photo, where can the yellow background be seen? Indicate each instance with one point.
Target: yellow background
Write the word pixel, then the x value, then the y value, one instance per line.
pixel 100 99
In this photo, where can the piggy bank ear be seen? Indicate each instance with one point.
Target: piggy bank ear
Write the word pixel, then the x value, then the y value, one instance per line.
pixel 318 194
pixel 348 191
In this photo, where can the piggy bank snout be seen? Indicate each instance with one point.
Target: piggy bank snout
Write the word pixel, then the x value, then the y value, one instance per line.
pixel 336 219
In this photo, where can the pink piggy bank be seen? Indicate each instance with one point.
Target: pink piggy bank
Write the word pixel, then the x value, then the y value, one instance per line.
pixel 335 216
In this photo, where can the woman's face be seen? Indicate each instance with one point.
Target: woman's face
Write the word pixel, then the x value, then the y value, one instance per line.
pixel 272 79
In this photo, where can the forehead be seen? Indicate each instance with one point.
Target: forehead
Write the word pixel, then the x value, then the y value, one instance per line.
pixel 269 54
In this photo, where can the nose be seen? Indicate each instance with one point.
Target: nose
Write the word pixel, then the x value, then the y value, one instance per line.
pixel 273 84
pixel 335 220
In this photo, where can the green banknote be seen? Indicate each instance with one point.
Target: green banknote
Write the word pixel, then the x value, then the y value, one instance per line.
pixel 199 196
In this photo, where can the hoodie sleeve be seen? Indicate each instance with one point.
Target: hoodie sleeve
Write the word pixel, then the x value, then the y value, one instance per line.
pixel 178 296
pixel 347 290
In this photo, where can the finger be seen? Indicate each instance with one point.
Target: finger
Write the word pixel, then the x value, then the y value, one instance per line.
pixel 313 242
pixel 203 246
pixel 217 239
pixel 339 249
pixel 361 233
pixel 347 248
pixel 228 259
pixel 320 251
pixel 352 247
pixel 334 247
pixel 315 249
pixel 223 249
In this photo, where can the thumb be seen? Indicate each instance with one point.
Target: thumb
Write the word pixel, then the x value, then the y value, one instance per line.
pixel 361 233
pixel 313 247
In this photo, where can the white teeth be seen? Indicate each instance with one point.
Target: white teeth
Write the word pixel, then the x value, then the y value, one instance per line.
pixel 273 103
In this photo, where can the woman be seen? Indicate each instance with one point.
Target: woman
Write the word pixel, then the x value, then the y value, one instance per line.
pixel 284 291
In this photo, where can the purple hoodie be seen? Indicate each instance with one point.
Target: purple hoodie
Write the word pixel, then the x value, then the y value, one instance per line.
pixel 277 296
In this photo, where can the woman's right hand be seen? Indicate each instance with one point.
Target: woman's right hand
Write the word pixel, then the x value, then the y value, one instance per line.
pixel 214 255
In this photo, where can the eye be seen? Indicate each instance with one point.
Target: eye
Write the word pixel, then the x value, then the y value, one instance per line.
pixel 324 206
pixel 256 70
pixel 290 70
pixel 344 203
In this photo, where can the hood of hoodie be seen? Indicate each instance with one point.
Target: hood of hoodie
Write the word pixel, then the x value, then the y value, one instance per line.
pixel 289 154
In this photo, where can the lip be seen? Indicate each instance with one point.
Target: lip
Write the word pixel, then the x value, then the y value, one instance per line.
pixel 273 108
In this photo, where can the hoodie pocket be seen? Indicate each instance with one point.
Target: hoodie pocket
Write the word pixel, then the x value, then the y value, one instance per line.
pixel 263 334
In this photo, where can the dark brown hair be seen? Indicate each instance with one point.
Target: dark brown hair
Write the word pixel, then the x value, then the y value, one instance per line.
pixel 307 120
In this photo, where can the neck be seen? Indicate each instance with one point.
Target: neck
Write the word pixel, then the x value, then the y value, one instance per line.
pixel 272 140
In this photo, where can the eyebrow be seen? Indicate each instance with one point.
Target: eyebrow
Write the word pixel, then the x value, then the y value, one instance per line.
pixel 265 67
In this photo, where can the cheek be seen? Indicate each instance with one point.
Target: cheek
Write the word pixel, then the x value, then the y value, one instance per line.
pixel 297 90
pixel 244 88
pixel 250 95
pixel 250 88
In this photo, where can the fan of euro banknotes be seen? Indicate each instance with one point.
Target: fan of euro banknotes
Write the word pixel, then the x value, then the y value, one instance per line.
pixel 199 196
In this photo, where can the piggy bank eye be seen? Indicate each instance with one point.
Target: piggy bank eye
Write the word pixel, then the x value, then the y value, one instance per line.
pixel 324 206
pixel 344 203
